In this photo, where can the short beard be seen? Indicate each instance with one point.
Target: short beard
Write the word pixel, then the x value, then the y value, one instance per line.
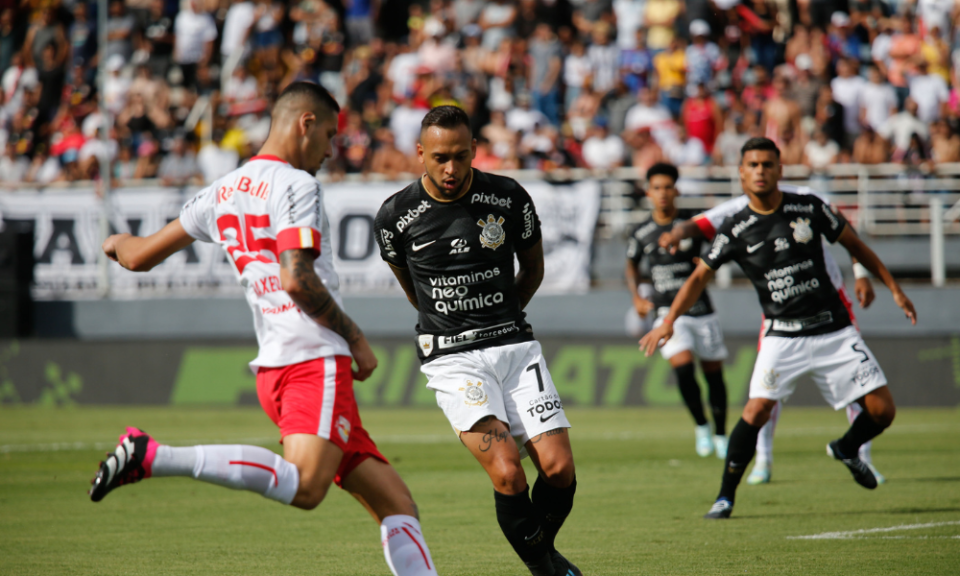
pixel 443 191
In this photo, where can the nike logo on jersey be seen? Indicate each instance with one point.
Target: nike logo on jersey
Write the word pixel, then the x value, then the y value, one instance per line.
pixel 422 246
pixel 545 418
pixel 755 247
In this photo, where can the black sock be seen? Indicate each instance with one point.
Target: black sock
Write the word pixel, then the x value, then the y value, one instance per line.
pixel 690 390
pixel 553 505
pixel 718 401
pixel 521 525
pixel 740 451
pixel 862 430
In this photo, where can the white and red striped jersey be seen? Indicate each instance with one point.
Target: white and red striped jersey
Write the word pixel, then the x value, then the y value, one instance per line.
pixel 254 213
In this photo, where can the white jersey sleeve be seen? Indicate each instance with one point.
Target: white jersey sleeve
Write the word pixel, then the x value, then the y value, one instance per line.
pixel 297 215
pixel 197 215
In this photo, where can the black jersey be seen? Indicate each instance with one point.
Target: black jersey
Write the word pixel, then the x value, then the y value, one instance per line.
pixel 668 271
pixel 460 256
pixel 782 254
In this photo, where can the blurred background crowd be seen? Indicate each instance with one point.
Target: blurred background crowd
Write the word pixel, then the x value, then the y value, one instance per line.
pixel 548 84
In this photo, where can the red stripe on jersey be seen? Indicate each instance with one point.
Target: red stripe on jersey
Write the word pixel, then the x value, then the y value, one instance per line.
pixel 422 553
pixel 297 238
pixel 269 157
pixel 703 223
pixel 260 466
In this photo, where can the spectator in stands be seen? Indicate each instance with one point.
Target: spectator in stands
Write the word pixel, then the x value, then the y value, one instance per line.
pixel 636 62
pixel 240 87
pixel 215 161
pixel 701 117
pixel 46 31
pixel 502 138
pixel 158 40
pixel 582 112
pixel 466 12
pixel 820 152
pixel 10 39
pixel 661 17
pixel 645 151
pixel 726 150
pixel 791 147
pixel 904 48
pixel 830 115
pixel 125 166
pixel 405 124
pixel 686 150
pixel 576 72
pixel 648 113
pixel 194 33
pixel 671 66
pixel 13 167
pixel 496 19
pixel 944 143
pixel 590 14
pixel 359 17
pixel 120 31
pixel 44 168
pixel 780 114
pixel 116 86
pixel 524 119
pixel 930 92
pixel 545 56
pixel 628 14
pixel 870 148
pixel 848 91
pixel 148 157
pixel 805 89
pixel 899 128
pixel 485 160
pixel 179 167
pixel 82 36
pixel 602 150
pixel 95 151
pixel 702 56
pixel 51 76
pixel 758 89
pixel 878 102
pixel 843 41
pixel 604 58
pixel 237 25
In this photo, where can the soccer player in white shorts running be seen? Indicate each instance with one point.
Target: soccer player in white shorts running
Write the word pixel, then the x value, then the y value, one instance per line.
pixel 807 330
pixel 268 217
pixel 450 239
pixel 705 225
pixel 696 332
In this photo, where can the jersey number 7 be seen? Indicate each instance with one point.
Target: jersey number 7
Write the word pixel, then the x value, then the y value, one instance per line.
pixel 244 252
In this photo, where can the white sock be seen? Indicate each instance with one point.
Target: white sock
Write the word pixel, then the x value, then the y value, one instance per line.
pixel 235 466
pixel 765 438
pixel 404 547
pixel 854 410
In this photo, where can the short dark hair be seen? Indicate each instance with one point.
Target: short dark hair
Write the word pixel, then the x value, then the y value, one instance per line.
pixel 315 93
pixel 445 117
pixel 663 169
pixel 759 144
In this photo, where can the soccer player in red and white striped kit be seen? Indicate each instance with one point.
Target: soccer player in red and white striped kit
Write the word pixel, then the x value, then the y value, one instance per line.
pixel 269 218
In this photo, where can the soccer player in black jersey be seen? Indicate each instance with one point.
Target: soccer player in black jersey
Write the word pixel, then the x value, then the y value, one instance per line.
pixel 450 239
pixel 807 330
pixel 696 331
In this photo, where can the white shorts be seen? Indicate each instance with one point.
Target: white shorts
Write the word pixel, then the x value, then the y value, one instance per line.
pixel 698 334
pixel 839 362
pixel 510 383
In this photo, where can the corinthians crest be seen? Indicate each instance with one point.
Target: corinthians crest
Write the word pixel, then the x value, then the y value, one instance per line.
pixel 802 232
pixel 493 235
pixel 474 394
pixel 770 379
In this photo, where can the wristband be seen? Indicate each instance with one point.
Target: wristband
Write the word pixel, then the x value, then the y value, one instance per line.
pixel 860 271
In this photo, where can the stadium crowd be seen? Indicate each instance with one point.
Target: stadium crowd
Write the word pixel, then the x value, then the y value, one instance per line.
pixel 547 83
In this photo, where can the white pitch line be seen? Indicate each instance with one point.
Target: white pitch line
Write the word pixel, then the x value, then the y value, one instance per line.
pixel 624 436
pixel 857 533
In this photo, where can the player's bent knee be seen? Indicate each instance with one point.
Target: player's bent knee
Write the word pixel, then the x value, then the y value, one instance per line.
pixel 507 476
pixel 309 497
pixel 559 472
pixel 757 411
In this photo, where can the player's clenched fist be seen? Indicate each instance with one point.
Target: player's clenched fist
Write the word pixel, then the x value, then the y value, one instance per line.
pixel 110 246
pixel 650 341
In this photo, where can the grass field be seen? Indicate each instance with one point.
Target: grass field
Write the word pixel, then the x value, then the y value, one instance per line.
pixel 642 492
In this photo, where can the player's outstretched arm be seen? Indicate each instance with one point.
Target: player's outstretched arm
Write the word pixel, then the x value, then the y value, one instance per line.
pixel 687 296
pixel 300 281
pixel 142 254
pixel 868 258
pixel 641 304
pixel 686 229
pixel 406 282
pixel 530 274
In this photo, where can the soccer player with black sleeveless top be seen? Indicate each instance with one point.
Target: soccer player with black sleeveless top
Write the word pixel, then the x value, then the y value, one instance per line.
pixel 698 330
pixel 450 239
pixel 776 240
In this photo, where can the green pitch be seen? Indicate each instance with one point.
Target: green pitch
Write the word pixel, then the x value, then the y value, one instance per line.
pixel 642 492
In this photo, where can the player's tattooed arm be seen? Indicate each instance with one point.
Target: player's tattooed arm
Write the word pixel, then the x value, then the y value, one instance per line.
pixel 300 281
pixel 869 259
pixel 530 274
pixel 406 282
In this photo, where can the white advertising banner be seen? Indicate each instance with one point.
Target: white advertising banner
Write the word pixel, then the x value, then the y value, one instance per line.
pixel 66 226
